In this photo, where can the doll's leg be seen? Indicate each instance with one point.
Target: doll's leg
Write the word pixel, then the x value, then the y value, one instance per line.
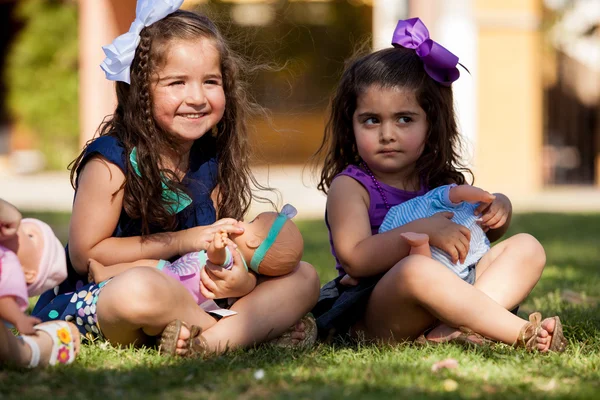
pixel 419 243
pixel 99 273
pixel 420 291
pixel 265 313
pixel 470 194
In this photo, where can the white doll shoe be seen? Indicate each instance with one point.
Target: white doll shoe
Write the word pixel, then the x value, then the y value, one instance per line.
pixel 63 343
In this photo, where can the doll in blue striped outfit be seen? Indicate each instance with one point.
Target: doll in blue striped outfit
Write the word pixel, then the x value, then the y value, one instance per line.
pixel 466 203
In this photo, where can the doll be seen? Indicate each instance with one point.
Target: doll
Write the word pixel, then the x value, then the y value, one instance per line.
pixel 32 261
pixel 462 200
pixel 270 245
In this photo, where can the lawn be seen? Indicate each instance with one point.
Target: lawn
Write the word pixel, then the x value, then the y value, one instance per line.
pixel 570 287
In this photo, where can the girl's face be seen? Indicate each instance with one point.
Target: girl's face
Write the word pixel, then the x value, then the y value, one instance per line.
pixel 390 128
pixel 187 92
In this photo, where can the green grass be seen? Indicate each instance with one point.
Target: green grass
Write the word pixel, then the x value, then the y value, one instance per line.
pixel 569 287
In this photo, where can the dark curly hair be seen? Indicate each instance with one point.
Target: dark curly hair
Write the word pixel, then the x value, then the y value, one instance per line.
pixel 133 124
pixel 393 68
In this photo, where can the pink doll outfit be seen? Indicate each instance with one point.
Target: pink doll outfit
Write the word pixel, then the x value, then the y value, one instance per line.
pixel 187 269
pixel 12 278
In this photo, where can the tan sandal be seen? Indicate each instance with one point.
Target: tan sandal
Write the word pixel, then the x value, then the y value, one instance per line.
pixel 466 338
pixel 530 332
pixel 310 335
pixel 197 345
pixel 167 343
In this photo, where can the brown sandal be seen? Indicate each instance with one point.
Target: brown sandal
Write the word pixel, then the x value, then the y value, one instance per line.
pixel 466 338
pixel 529 333
pixel 197 345
pixel 310 335
pixel 167 343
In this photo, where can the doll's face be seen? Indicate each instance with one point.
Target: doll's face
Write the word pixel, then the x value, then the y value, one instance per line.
pixel 255 232
pixel 29 245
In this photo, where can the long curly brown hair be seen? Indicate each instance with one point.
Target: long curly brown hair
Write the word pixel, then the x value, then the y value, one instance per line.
pixel 133 124
pixel 393 68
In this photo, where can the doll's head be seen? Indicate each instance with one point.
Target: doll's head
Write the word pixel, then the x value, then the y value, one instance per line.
pixel 41 255
pixel 271 242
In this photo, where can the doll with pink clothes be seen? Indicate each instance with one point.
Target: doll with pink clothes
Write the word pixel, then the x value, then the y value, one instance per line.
pixel 32 260
pixel 270 245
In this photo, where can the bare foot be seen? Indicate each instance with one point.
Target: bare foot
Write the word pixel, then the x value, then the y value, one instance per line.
pixel 419 243
pixel 544 337
pixel 182 341
pixel 95 270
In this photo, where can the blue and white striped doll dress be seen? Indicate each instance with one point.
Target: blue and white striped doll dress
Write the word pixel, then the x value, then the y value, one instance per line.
pixel 435 201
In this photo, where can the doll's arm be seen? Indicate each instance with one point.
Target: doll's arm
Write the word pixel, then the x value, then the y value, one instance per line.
pixel 216 251
pixel 99 273
pixel 470 194
pixel 11 312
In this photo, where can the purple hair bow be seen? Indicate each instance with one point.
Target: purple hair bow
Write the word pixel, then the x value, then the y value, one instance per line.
pixel 439 62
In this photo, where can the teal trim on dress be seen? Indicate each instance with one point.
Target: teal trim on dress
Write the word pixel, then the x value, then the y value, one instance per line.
pixel 175 201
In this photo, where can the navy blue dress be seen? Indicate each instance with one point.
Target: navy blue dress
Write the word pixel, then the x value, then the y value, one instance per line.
pixel 75 299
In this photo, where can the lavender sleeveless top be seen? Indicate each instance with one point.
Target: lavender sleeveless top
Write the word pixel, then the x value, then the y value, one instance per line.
pixel 377 209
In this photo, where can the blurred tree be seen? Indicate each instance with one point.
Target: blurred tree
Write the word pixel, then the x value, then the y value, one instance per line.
pixel 41 76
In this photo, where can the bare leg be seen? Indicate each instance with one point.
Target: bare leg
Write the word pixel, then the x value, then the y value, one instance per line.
pixel 507 274
pixel 266 312
pixel 421 291
pixel 141 302
pixel 99 273
pixel 419 243
pixel 15 351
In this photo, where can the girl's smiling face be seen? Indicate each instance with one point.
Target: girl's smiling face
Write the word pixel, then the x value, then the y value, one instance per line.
pixel 390 129
pixel 187 91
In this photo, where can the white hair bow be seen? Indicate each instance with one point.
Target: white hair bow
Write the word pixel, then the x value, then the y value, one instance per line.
pixel 119 54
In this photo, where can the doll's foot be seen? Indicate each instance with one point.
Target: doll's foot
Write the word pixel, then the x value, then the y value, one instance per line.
pixel 419 243
pixel 95 270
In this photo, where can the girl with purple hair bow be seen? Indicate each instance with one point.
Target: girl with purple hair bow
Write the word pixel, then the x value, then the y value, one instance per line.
pixel 391 137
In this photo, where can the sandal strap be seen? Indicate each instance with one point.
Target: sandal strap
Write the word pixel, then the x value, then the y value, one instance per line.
pixel 35 351
pixel 197 345
pixel 529 331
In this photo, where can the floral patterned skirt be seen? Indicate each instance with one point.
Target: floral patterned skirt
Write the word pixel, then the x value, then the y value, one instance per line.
pixel 78 307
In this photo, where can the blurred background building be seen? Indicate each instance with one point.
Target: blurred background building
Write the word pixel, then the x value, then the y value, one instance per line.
pixel 528 107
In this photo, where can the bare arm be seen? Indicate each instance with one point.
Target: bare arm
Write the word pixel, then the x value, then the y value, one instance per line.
pixel 96 214
pixel 361 253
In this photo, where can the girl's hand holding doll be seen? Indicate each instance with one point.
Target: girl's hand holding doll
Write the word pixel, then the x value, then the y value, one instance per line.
pixel 198 238
pixel 218 282
pixel 448 236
